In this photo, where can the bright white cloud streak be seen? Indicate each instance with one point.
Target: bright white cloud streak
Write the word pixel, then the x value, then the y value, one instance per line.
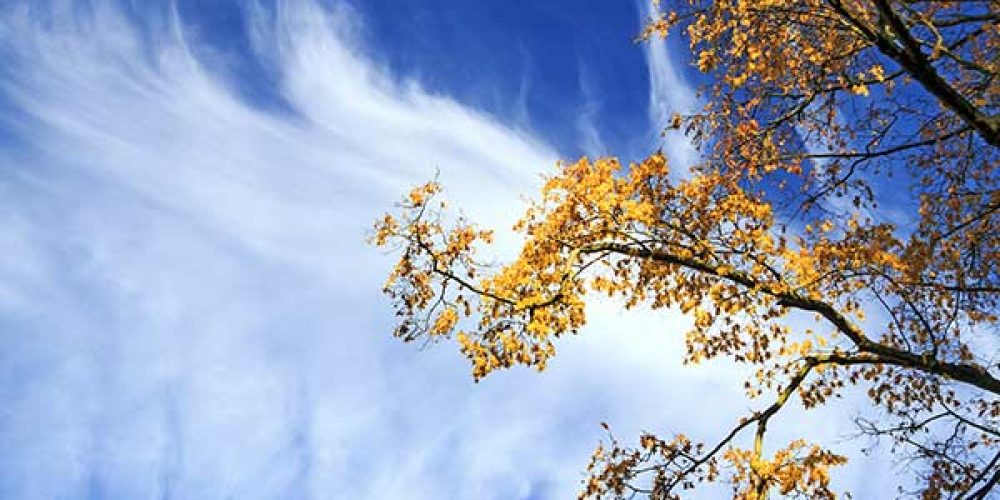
pixel 188 309
pixel 669 93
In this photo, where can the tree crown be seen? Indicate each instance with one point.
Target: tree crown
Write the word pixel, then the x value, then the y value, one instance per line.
pixel 849 163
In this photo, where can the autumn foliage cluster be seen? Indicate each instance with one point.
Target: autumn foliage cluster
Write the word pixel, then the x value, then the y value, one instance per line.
pixel 848 170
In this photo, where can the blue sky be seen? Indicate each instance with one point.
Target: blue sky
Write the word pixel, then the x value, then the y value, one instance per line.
pixel 188 307
pixel 532 64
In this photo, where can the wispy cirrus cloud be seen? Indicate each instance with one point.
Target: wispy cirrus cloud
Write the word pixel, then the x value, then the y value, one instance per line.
pixel 188 307
pixel 669 93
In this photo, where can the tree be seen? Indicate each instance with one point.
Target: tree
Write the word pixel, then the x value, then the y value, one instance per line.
pixel 849 166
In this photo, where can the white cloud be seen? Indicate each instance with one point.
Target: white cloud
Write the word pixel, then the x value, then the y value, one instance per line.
pixel 188 309
pixel 669 94
pixel 590 141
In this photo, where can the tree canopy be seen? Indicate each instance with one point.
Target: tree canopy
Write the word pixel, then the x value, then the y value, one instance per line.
pixel 848 169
